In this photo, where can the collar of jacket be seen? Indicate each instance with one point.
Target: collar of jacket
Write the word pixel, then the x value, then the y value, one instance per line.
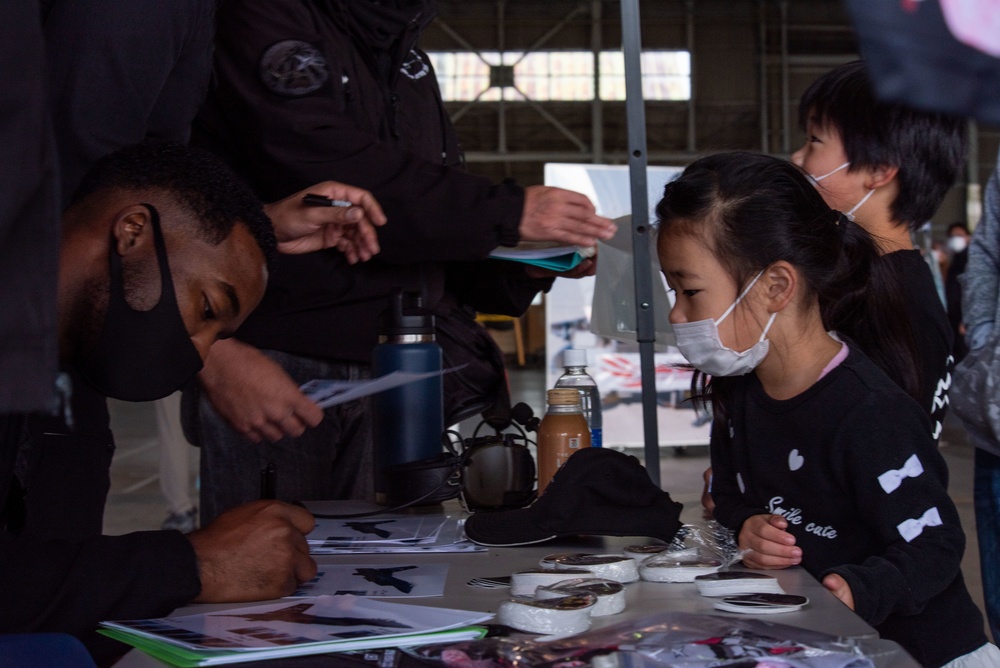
pixel 389 25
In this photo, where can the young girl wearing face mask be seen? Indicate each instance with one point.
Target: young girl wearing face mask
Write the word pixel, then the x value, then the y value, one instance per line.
pixel 819 458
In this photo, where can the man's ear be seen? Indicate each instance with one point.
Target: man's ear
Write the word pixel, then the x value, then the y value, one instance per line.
pixel 781 280
pixel 132 228
pixel 881 176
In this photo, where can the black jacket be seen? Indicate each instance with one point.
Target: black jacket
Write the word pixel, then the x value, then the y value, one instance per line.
pixel 308 91
pixel 57 572
pixel 29 216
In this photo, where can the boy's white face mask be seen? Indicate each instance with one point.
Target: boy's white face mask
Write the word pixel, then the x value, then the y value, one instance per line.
pixel 817 179
pixel 850 214
pixel 702 346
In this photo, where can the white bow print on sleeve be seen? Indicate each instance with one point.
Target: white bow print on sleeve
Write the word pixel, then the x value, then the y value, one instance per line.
pixel 892 479
pixel 910 529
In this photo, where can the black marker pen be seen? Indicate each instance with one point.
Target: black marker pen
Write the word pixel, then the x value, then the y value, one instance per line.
pixel 312 199
pixel 268 481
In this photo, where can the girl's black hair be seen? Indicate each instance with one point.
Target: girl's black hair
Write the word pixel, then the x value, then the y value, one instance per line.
pixel 754 210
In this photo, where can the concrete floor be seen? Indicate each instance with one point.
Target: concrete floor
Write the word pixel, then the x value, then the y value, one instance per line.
pixel 136 503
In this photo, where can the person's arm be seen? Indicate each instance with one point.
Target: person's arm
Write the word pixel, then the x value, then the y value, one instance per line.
pixel 731 508
pixel 123 72
pixel 69 587
pixel 254 394
pixel 761 535
pixel 250 553
pixel 981 280
pixel 500 287
pixel 438 213
pixel 910 514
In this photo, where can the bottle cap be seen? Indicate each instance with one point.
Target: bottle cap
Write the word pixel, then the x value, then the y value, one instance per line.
pixel 575 357
pixel 405 316
pixel 567 396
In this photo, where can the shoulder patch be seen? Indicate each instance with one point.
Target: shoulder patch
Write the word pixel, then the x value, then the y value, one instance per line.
pixel 414 66
pixel 294 68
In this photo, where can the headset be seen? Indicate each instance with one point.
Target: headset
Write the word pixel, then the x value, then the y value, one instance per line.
pixel 495 472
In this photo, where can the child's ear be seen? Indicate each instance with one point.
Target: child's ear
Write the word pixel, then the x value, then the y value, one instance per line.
pixel 881 176
pixel 781 280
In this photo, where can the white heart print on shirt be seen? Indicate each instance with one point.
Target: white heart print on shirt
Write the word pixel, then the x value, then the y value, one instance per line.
pixel 795 460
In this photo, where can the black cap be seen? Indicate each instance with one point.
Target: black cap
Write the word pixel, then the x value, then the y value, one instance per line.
pixel 597 492
pixel 405 315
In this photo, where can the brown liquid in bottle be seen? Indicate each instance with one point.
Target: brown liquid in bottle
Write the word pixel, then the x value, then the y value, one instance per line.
pixel 562 432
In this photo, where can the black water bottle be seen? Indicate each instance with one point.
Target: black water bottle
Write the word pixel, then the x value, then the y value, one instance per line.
pixel 408 420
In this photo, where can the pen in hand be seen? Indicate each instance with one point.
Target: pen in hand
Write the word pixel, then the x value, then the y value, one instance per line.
pixel 268 478
pixel 313 199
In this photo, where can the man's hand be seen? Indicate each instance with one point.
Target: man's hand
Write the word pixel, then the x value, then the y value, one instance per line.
pixel 839 587
pixel 254 552
pixel 554 214
pixel 254 394
pixel 769 544
pixel 351 230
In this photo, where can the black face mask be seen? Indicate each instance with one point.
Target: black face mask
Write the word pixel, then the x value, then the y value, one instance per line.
pixel 141 355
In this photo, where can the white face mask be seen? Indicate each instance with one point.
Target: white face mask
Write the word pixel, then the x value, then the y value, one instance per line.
pixel 702 347
pixel 957 244
pixel 817 179
pixel 850 214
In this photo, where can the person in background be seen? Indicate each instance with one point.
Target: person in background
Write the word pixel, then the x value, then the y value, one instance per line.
pixel 980 313
pixel 777 296
pixel 958 251
pixel 339 89
pixel 29 217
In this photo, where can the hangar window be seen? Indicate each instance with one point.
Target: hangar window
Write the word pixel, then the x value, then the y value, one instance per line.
pixel 557 75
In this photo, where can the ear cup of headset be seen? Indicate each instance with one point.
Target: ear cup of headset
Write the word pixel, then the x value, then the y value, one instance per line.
pixel 425 481
pixel 498 475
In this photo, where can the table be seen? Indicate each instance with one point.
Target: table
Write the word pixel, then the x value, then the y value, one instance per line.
pixel 824 612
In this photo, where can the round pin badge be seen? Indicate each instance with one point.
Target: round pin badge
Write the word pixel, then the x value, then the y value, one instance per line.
pixel 294 68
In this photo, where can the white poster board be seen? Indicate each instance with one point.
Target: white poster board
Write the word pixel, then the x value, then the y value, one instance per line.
pixel 614 364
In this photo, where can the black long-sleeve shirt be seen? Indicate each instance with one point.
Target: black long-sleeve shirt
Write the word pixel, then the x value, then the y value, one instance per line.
pixel 852 467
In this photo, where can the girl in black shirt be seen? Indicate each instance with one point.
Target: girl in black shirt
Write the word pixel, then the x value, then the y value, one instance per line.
pixel 820 459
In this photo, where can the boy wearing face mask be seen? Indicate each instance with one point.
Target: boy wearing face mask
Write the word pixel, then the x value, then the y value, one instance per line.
pixel 888 167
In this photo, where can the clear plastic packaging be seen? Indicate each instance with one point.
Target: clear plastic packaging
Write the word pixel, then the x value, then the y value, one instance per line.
pixel 672 640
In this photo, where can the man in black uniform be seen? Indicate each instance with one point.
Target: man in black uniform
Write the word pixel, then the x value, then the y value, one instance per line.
pixel 339 90
pixel 29 216
pixel 133 327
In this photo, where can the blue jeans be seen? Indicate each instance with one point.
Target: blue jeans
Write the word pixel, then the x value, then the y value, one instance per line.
pixel 330 461
pixel 986 494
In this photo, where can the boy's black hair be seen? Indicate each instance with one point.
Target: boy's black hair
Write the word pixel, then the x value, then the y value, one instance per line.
pixel 958 225
pixel 927 147
pixel 199 182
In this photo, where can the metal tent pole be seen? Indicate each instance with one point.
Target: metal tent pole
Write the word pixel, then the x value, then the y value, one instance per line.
pixel 645 329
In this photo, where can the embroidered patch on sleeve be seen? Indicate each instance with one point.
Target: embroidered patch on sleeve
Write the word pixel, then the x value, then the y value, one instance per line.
pixel 293 68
